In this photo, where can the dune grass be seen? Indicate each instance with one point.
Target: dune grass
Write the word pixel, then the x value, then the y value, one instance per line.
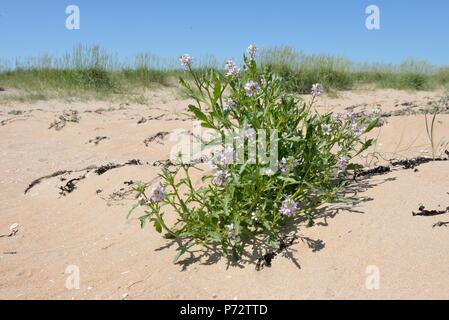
pixel 300 71
pixel 92 69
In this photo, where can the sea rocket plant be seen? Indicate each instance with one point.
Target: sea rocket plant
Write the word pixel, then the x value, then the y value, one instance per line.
pixel 237 201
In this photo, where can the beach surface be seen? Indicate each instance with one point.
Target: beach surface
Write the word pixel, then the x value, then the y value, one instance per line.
pixel 73 220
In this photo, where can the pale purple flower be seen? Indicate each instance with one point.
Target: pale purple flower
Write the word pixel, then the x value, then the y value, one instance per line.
pixel 212 164
pixel 143 200
pixel 230 104
pixel 289 207
pixel 157 193
pixel 283 165
pixel 220 177
pixel 250 132
pixel 252 50
pixel 327 129
pixel 229 154
pixel 251 88
pixel 221 159
pixel 338 117
pixel 358 130
pixel 343 163
pixel 231 69
pixel 287 164
pixel 317 90
pixel 186 61
pixel 351 115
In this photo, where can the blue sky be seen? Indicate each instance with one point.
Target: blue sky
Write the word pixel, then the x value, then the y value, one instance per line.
pixel 167 28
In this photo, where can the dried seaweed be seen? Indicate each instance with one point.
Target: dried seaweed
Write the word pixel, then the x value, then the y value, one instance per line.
pixel 158 137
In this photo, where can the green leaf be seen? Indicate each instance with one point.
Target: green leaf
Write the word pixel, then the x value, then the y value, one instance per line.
pixel 142 219
pixel 372 125
pixel 198 113
pixel 365 146
pixel 214 235
pixel 207 125
pixel 295 139
pixel 289 180
pixel 183 249
pixel 354 166
pixel 158 226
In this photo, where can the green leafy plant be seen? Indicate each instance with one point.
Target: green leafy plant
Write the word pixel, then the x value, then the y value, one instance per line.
pixel 239 201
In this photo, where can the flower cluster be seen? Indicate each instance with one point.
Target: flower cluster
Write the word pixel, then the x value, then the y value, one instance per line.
pixel 251 88
pixel 358 130
pixel 289 207
pixel 157 193
pixel 232 69
pixel 230 104
pixel 250 132
pixel 252 50
pixel 317 90
pixel 186 61
pixel 343 163
pixel 327 129
pixel 288 164
pixel 221 177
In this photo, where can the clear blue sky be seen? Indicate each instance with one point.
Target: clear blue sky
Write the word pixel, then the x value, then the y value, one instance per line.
pixel 168 28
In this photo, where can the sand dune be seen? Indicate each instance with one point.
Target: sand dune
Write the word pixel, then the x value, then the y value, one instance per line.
pixel 87 227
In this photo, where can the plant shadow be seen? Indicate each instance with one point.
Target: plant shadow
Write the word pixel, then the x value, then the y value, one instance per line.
pixel 259 254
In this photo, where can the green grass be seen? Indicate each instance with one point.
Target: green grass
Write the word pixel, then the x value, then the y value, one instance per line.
pixel 300 71
pixel 93 70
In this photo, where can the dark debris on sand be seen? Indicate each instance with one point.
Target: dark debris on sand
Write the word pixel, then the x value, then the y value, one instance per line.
pixel 422 211
pixel 440 224
pixel 266 260
pixel 158 137
pixel 372 172
pixel 105 168
pixel 405 164
pixel 71 184
pixel 97 140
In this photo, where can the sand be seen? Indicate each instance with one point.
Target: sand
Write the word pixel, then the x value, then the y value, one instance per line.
pixel 371 248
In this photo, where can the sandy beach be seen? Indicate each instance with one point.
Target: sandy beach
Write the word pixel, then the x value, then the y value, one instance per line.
pixel 83 225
